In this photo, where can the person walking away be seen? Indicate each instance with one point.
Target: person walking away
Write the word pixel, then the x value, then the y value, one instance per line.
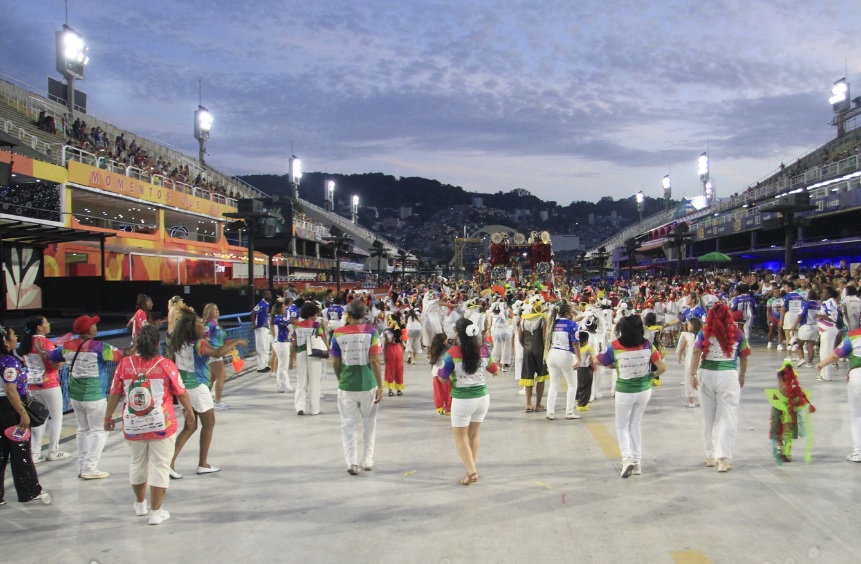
pixel 356 355
pixel 721 353
pixel 147 383
pixel 394 355
pixel 441 388
pixel 309 369
pixel 260 319
pixel 281 322
pixel 563 358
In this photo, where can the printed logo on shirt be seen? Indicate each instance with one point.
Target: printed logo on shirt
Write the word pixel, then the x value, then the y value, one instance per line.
pixel 10 375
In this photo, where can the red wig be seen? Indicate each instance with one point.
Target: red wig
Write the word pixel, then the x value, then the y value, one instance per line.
pixel 719 324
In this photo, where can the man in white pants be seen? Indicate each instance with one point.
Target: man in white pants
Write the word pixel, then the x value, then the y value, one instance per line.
pixel 260 319
pixel 355 356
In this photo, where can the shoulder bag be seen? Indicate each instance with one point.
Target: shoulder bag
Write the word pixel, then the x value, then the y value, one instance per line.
pixel 316 346
pixel 36 410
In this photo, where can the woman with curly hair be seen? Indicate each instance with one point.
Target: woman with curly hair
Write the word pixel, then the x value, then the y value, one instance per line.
pixel 720 353
pixel 464 365
pixel 190 350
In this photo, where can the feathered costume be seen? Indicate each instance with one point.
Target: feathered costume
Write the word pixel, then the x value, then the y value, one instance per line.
pixel 790 415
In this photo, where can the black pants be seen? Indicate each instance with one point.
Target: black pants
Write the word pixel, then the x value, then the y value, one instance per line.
pixel 584 385
pixel 18 455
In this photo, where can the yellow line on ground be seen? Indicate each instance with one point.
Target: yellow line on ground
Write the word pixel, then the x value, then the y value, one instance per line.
pixel 605 440
pixel 543 484
pixel 690 557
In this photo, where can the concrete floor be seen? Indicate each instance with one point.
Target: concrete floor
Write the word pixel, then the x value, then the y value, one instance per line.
pixel 549 490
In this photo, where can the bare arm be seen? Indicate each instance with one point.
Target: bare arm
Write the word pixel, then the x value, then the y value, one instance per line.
pixel 742 368
pixel 113 401
pixel 661 367
pixel 375 366
pixel 695 364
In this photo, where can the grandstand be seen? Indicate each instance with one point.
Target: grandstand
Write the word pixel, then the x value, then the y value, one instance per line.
pixel 742 227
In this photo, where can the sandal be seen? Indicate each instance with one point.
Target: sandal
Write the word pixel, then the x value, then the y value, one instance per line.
pixel 540 408
pixel 529 409
pixel 391 393
pixel 400 393
pixel 469 479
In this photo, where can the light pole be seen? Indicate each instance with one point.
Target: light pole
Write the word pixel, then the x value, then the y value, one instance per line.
pixel 703 169
pixel 295 175
pixel 330 195
pixel 667 183
pixel 202 127
pixel 710 190
pixel 641 203
pixel 71 60
pixel 355 209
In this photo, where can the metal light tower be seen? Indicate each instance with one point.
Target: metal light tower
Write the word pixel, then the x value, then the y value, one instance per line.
pixel 839 101
pixel 641 203
pixel 71 60
pixel 330 195
pixel 202 127
pixel 295 175
pixel 355 209
pixel 667 183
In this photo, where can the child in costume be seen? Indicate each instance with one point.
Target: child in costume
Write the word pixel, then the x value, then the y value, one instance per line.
pixel 585 371
pixel 790 415
pixel 441 389
pixel 394 354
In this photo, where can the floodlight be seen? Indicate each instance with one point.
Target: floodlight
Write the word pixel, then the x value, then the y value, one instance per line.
pixel 703 165
pixel 295 170
pixel 641 198
pixel 202 123
pixel 330 188
pixel 699 202
pixel 667 183
pixel 710 189
pixel 839 92
pixel 71 53
pixel 355 204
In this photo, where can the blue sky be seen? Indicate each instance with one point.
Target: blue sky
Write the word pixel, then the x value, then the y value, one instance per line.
pixel 569 99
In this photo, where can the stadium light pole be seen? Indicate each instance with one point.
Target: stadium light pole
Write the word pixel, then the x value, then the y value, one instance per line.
pixel 330 195
pixel 295 175
pixel 710 190
pixel 202 127
pixel 839 101
pixel 641 203
pixel 667 183
pixel 72 59
pixel 355 209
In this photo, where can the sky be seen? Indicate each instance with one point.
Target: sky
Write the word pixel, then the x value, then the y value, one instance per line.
pixel 569 99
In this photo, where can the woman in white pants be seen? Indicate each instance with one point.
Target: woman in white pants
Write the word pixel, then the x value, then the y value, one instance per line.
pixel 281 346
pixel 828 332
pixel 309 369
pixel 847 349
pixel 720 353
pixel 563 358
pixel 631 354
pixel 43 378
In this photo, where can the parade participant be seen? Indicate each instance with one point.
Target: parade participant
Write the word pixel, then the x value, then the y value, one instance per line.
pixel 190 351
pixel 585 371
pixel 393 348
pixel 631 355
pixel 215 335
pixel 86 357
pixel 174 308
pixel 517 316
pixel 15 450
pixel 808 329
pixel 686 355
pixel 260 319
pixel 356 362
pixel 694 308
pixel 849 348
pixel 789 312
pixel 431 316
pixel 43 379
pixel 414 335
pixel 723 350
pixel 851 307
pixel 653 333
pixel 147 383
pixel 829 315
pixel 142 316
pixel 790 415
pixel 533 326
pixel 563 358
pixel 744 304
pixel 773 305
pixel 500 334
pixel 464 365
pixel 441 388
pixel 309 369
pixel 281 345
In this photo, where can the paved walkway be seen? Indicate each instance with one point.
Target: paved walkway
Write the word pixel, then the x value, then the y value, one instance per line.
pixel 549 490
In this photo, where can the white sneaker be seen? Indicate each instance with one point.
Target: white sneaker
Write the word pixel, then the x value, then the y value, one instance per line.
pixel 637 470
pixel 572 415
pixel 174 475
pixel 158 516
pixel 768 346
pixel 37 458
pixel 550 417
pixel 220 405
pixel 627 467
pixel 854 457
pixel 58 455
pixel 94 475
pixel 44 497
pixel 723 465
pixel 800 364
pixel 781 348
pixel 140 508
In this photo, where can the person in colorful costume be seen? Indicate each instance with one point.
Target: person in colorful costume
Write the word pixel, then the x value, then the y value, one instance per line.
pixel 851 349
pixel 790 415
